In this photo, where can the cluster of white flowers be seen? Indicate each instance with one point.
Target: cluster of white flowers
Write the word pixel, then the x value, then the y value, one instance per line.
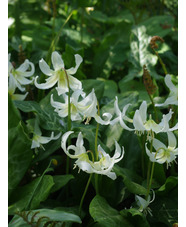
pixel 85 106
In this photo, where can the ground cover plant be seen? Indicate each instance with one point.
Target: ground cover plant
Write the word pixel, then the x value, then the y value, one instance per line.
pixel 93 120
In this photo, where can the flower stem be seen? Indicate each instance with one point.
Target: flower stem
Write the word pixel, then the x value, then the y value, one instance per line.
pixel 69 121
pixel 161 62
pixel 149 181
pixel 83 196
pixel 97 152
pixel 152 101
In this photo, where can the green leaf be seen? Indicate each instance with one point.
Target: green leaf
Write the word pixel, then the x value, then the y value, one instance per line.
pixel 13 114
pixel 98 86
pixel 51 215
pixel 160 25
pixel 48 118
pixel 131 186
pixel 134 85
pixel 135 217
pixel 19 155
pixel 105 215
pixel 23 196
pixel 170 184
pixel 60 181
pixel 140 54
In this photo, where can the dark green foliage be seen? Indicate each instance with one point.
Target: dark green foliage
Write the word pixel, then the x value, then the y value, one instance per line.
pixel 113 39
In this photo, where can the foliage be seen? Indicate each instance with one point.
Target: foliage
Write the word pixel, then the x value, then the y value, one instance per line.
pixel 113 39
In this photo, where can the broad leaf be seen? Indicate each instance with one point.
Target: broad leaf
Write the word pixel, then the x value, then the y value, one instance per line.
pixel 50 215
pixel 60 181
pixel 105 215
pixel 13 114
pixel 23 196
pixel 131 186
pixel 19 156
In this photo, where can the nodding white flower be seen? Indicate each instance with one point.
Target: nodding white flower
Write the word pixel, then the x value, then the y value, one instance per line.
pixel 85 108
pixel 12 88
pixel 140 121
pixel 103 166
pixel 163 153
pixel 173 96
pixel 38 140
pixel 143 204
pixel 58 75
pixel 18 77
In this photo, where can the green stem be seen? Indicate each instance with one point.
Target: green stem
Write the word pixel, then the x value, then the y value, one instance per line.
pixel 83 196
pixel 97 152
pixel 69 120
pixel 161 62
pixel 149 181
pixel 156 115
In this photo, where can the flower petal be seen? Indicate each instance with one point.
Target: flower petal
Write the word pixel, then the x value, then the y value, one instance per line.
pixel 151 155
pixel 75 84
pixel 78 60
pixel 57 61
pixel 143 111
pixel 23 80
pixel 138 122
pixel 169 83
pixel 45 68
pixel 158 144
pixel 64 140
pixel 19 96
pixel 171 140
pixel 50 82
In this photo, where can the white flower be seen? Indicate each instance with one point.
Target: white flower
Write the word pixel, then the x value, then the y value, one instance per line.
pixel 38 140
pixel 58 74
pixel 103 166
pixel 86 108
pixel 140 121
pixel 163 153
pixel 18 77
pixel 143 204
pixel 173 96
pixel 11 90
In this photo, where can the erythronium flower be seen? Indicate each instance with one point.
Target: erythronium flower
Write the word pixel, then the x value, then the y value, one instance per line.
pixel 11 91
pixel 143 204
pixel 58 75
pixel 19 76
pixel 103 166
pixel 173 96
pixel 140 121
pixel 86 108
pixel 163 153
pixel 38 140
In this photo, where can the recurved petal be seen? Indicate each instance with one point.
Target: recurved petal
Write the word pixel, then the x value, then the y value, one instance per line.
pixel 151 155
pixel 111 175
pixel 28 73
pixel 138 122
pixel 158 144
pixel 23 80
pixel 78 60
pixel 50 82
pixel 169 83
pixel 23 67
pixel 64 140
pixel 45 68
pixel 57 61
pixel 118 152
pixel 55 104
pixel 143 111
pixel 19 96
pixel 75 84
pixel 79 141
pixel 171 139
